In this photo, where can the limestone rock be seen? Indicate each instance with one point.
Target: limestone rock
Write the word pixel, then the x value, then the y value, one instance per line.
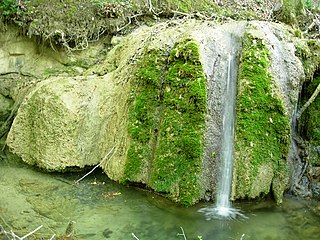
pixel 67 122
pixel 158 99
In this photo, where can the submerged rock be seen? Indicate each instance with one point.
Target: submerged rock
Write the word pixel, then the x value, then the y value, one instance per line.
pixel 158 99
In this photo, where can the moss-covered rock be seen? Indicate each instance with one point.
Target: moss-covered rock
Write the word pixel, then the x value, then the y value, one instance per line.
pixel 262 125
pixel 308 52
pixel 167 122
pixel 158 100
pixel 290 11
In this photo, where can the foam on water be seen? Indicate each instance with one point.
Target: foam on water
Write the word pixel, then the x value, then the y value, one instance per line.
pixel 222 213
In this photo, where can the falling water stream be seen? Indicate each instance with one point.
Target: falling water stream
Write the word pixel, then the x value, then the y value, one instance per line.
pixel 223 204
pixel 223 209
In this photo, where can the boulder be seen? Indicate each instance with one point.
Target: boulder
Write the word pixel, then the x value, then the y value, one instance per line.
pixel 67 122
pixel 157 100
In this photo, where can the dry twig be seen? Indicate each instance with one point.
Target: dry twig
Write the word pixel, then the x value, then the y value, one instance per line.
pixel 182 234
pixel 99 164
pixel 135 237
pixel 13 236
pixel 307 104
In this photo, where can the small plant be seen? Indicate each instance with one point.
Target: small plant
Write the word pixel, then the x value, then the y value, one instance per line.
pixel 308 4
pixel 10 8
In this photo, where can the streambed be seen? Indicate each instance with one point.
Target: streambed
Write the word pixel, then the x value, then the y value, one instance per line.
pixel 103 209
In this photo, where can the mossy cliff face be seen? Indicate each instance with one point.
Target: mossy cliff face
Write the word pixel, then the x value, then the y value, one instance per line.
pixel 262 126
pixel 167 122
pixel 309 53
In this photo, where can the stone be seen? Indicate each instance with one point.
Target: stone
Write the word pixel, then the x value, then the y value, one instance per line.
pixel 67 122
pixel 157 99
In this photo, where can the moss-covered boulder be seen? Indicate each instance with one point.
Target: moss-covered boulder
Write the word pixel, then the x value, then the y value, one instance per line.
pixel 158 100
pixel 161 154
pixel 270 76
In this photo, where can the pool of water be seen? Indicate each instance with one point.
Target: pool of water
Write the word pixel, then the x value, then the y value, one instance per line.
pixel 103 209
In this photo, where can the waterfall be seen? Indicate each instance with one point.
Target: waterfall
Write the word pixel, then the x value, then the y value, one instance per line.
pixel 223 209
pixel 226 165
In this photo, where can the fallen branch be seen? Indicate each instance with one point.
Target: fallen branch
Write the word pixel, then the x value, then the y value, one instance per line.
pixel 32 232
pixel 181 13
pixel 150 6
pixel 135 237
pixel 12 235
pixel 53 236
pixel 129 22
pixel 98 165
pixel 182 234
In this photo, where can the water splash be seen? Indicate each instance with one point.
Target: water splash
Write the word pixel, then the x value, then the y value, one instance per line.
pixel 222 213
pixel 222 208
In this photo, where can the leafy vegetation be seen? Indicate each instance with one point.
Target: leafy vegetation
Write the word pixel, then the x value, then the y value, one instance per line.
pixel 11 8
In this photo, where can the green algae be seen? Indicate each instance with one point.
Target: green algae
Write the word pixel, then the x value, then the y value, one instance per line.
pixel 262 127
pixel 167 122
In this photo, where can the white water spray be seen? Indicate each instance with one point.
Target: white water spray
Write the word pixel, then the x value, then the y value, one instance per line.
pixel 226 165
pixel 222 208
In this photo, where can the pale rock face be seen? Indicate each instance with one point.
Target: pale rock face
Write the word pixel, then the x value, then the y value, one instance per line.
pixel 66 122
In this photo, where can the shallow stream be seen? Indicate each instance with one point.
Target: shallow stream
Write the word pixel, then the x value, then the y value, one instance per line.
pixel 103 209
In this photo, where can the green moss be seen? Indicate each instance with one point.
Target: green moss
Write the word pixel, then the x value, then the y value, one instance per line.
pixel 185 5
pixel 177 164
pixel 262 127
pixel 167 123
pixel 308 52
pixel 143 115
pixel 311 118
